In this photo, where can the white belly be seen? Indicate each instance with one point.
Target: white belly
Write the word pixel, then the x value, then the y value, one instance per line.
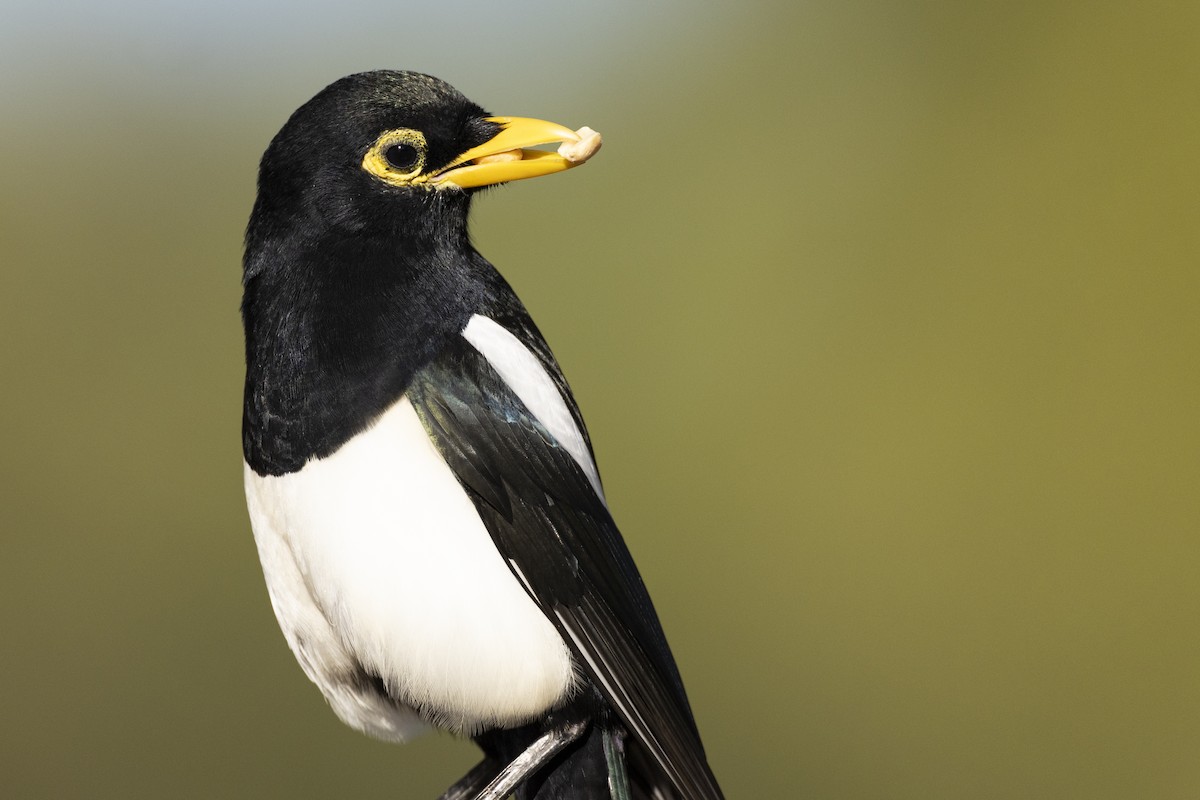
pixel 376 556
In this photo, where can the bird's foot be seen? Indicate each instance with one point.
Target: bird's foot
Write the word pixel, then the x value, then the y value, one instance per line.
pixel 471 784
pixel 537 754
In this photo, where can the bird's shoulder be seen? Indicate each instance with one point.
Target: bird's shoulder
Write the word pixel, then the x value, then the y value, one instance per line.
pixel 492 405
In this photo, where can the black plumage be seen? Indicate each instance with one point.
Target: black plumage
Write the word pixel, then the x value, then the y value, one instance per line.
pixel 357 293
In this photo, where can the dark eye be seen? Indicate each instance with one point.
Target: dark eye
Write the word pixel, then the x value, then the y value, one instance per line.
pixel 402 157
pixel 398 157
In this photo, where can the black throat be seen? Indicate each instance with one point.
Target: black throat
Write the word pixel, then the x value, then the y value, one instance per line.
pixel 337 322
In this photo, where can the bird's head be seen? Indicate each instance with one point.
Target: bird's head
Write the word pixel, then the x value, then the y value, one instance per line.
pixel 382 150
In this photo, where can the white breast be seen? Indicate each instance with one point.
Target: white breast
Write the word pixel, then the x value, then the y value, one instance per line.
pixel 376 555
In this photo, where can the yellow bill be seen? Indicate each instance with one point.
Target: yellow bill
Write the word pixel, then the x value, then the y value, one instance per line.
pixel 506 157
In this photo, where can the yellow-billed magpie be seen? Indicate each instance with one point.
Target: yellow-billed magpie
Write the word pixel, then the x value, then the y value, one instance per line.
pixel 435 539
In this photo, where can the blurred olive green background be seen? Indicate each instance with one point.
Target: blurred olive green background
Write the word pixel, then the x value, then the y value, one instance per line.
pixel 883 316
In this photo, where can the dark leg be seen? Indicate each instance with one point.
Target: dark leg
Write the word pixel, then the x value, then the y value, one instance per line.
pixel 471 784
pixel 614 756
pixel 533 758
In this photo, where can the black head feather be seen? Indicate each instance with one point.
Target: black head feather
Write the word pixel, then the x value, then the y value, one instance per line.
pixel 311 175
pixel 350 283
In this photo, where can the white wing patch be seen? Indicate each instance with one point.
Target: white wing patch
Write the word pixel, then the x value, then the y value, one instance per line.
pixel 524 374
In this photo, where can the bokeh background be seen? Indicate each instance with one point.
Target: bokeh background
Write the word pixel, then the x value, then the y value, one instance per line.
pixel 882 314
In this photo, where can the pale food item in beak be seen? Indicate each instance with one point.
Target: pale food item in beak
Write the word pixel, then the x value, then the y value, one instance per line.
pixel 507 155
pixel 576 152
pixel 580 151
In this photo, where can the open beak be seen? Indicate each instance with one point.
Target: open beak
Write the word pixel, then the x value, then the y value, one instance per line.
pixel 504 157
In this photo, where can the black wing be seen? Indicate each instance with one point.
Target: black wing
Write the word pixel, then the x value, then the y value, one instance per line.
pixel 545 518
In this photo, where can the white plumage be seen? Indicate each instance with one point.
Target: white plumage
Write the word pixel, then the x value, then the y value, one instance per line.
pixel 376 556
pixel 523 373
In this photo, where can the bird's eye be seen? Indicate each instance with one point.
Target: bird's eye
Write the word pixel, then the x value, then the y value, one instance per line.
pixel 397 157
pixel 402 156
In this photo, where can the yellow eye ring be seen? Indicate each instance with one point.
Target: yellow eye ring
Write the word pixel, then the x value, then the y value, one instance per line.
pixel 397 157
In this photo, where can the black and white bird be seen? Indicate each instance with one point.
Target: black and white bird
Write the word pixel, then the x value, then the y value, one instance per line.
pixel 435 539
